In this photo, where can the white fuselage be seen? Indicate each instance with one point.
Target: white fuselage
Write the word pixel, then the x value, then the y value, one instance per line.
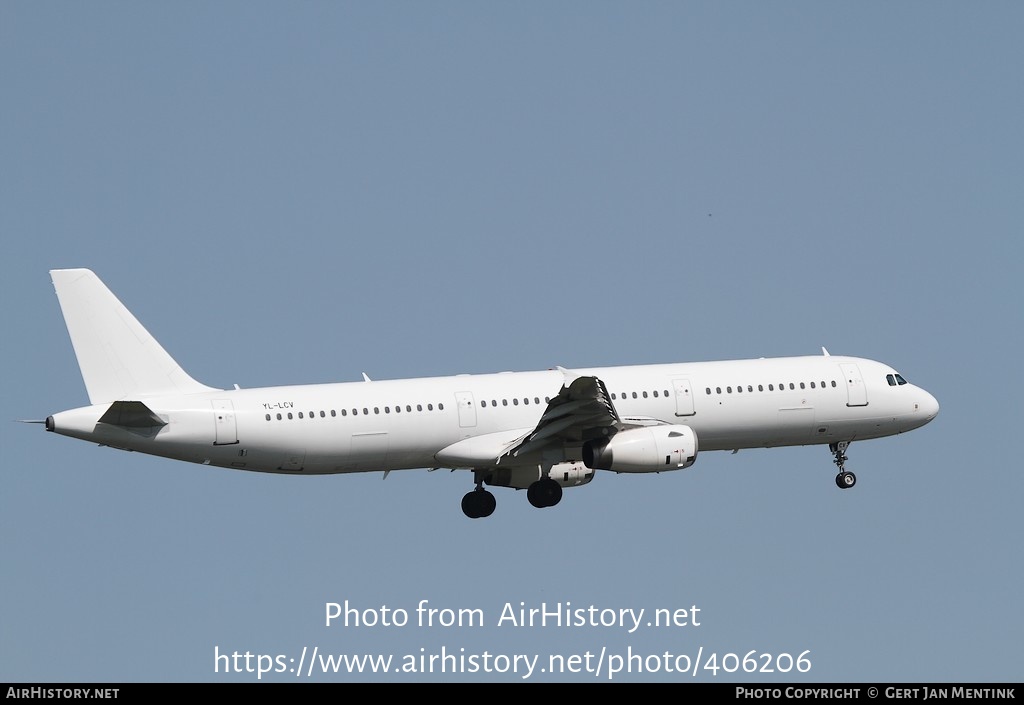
pixel 401 424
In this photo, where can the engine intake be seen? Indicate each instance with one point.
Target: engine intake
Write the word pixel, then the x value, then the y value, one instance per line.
pixel 648 449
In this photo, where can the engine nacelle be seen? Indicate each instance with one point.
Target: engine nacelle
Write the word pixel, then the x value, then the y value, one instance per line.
pixel 647 449
pixel 522 476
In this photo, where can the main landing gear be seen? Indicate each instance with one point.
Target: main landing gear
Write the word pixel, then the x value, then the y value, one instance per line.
pixel 480 503
pixel 544 493
pixel 845 479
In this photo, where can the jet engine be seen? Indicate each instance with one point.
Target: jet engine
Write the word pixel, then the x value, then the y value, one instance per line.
pixel 647 449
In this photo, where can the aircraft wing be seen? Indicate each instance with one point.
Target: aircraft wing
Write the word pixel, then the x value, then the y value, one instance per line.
pixel 582 410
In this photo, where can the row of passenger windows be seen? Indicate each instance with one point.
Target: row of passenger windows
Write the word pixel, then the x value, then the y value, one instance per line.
pixel 515 402
pixel 771 387
pixel 526 401
pixel 641 394
pixel 355 412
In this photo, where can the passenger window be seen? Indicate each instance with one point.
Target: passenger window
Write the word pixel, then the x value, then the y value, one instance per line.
pixel 792 386
pixel 655 393
pixel 709 391
pixel 515 402
pixel 366 411
pixel 300 414
pixel 729 390
pixel 504 402
pixel 419 407
pixel 718 390
pixel 440 407
pixel 268 417
pixel 279 417
pixel 833 383
pixel 290 417
pixel 760 387
pixel 812 385
pixel 739 389
pixel 536 400
pixel 430 407
pixel 645 395
pixel 803 386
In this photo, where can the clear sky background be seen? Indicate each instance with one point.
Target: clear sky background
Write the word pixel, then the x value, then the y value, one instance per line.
pixel 290 193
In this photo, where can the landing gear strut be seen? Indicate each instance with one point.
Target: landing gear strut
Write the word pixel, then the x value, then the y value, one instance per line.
pixel 845 479
pixel 479 503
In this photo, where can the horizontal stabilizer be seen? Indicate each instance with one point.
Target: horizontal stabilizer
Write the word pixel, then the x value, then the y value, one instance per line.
pixel 131 414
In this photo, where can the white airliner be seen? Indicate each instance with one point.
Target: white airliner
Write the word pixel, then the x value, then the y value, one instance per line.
pixel 538 431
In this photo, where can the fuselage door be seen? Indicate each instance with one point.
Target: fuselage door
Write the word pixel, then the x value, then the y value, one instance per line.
pixel 226 429
pixel 467 409
pixel 684 397
pixel 858 393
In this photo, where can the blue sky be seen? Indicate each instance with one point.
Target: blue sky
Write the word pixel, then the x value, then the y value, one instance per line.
pixel 301 193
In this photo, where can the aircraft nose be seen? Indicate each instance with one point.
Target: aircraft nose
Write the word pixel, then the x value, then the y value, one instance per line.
pixel 930 406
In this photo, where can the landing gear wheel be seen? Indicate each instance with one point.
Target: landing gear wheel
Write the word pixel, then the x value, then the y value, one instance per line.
pixel 544 493
pixel 478 504
pixel 535 496
pixel 553 490
pixel 845 480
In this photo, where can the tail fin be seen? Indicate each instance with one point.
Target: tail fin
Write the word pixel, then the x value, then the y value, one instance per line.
pixel 119 359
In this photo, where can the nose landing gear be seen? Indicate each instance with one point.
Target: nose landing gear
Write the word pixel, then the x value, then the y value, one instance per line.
pixel 845 479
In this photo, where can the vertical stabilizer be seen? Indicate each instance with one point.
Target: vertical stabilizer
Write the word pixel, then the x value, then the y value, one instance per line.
pixel 119 359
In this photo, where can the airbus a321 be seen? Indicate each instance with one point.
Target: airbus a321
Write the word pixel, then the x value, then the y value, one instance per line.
pixel 539 431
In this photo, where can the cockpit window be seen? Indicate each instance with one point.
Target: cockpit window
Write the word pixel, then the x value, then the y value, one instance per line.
pixel 895 379
pixel 900 380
